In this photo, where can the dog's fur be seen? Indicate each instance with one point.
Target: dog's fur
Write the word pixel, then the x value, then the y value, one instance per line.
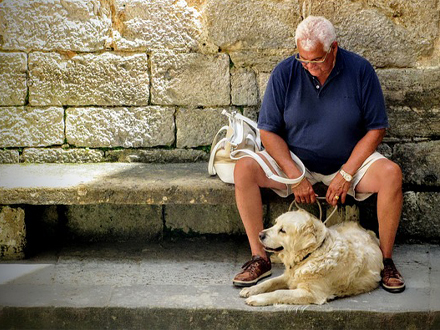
pixel 321 263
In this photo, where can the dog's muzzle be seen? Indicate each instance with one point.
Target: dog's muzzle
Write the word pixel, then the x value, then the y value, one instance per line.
pixel 262 236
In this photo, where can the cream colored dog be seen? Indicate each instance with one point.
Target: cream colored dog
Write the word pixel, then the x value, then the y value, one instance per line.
pixel 321 263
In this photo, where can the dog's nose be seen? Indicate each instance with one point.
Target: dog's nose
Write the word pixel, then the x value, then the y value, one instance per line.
pixel 262 235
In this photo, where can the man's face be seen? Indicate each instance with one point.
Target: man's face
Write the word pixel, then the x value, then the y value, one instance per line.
pixel 318 70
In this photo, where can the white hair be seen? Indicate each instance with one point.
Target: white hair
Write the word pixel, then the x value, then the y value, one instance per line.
pixel 313 30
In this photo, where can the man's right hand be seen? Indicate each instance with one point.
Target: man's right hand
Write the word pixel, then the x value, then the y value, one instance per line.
pixel 304 192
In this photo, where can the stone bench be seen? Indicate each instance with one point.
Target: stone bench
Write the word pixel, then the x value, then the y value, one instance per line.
pixel 42 203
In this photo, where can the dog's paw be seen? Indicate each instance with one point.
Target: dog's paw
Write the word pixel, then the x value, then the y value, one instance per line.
pixel 246 292
pixel 258 300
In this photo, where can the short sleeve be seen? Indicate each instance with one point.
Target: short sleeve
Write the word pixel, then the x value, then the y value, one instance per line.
pixel 373 103
pixel 272 108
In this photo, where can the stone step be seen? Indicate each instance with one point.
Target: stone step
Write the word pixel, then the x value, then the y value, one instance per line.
pixel 186 284
pixel 133 201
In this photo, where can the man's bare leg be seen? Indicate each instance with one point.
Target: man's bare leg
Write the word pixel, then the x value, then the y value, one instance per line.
pixel 385 178
pixel 249 178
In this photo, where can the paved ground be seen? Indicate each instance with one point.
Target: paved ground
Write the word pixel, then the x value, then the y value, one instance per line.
pixel 125 282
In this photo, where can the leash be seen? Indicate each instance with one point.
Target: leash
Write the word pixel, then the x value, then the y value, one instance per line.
pixel 319 206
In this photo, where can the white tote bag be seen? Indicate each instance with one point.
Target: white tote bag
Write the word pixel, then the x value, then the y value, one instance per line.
pixel 242 140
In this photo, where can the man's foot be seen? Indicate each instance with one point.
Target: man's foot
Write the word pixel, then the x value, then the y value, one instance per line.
pixel 392 281
pixel 253 271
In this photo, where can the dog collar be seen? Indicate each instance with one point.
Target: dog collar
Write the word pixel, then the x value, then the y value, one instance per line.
pixel 308 255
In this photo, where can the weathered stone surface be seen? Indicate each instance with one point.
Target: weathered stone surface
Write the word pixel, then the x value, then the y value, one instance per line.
pixel 251 113
pixel 385 150
pixel 13 87
pixel 244 89
pixel 157 156
pixel 88 79
pixel 31 127
pixel 197 127
pixel 158 24
pixel 111 183
pixel 235 25
pixel 420 220
pixel 12 233
pixel 120 127
pixel 60 155
pixel 260 60
pixel 419 88
pixel 74 25
pixel 190 79
pixel 413 122
pixel 420 162
pixel 110 222
pixel 203 219
pixel 9 156
pixel 388 33
pixel 262 79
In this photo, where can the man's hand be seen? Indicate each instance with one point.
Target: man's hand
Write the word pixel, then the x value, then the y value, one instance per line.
pixel 338 187
pixel 304 193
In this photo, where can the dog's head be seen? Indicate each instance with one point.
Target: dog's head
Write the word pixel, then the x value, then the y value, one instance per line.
pixel 294 235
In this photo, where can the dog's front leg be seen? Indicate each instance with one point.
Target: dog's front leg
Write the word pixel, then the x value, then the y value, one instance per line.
pixel 294 297
pixel 266 286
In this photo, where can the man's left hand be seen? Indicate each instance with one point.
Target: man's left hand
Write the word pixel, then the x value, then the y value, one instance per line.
pixel 337 190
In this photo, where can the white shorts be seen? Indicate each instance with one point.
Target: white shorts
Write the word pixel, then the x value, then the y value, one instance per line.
pixel 314 177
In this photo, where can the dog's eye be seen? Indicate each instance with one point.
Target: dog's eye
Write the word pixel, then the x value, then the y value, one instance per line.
pixel 282 231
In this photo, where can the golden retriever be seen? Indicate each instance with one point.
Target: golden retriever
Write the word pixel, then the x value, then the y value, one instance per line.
pixel 320 263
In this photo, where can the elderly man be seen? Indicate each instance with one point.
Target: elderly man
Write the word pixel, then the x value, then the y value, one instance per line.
pixel 324 104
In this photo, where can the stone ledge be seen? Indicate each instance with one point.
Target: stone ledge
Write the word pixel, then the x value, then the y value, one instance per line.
pixel 111 183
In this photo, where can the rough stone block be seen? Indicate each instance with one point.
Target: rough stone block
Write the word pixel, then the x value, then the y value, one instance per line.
pixel 31 127
pixel 388 33
pixel 263 79
pixel 413 122
pixel 13 87
pixel 120 127
pixel 9 156
pixel 86 79
pixel 202 219
pixel 420 162
pixel 234 25
pixel 197 127
pixel 190 79
pixel 75 25
pixel 12 233
pixel 156 24
pixel 260 60
pixel 251 113
pixel 418 88
pixel 244 90
pixel 110 222
pixel 59 155
pixel 420 220
pixel 157 156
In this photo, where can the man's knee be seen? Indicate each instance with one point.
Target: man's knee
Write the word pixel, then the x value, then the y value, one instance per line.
pixel 245 170
pixel 392 173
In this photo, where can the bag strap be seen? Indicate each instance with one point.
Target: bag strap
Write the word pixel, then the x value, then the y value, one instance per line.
pixel 269 173
pixel 216 144
pixel 237 121
pixel 253 125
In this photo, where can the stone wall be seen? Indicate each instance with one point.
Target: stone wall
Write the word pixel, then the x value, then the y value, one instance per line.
pixel 146 80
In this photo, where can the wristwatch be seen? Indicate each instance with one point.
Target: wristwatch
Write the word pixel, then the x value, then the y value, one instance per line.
pixel 345 175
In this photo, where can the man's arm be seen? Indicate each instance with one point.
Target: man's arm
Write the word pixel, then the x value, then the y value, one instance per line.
pixel 279 150
pixel 363 149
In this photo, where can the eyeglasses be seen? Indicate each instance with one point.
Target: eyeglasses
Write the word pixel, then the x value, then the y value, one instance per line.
pixel 313 61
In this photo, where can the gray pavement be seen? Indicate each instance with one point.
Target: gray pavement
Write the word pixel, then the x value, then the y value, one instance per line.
pixel 187 284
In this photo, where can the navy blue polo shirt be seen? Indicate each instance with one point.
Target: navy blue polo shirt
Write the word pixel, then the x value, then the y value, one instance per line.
pixel 322 124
